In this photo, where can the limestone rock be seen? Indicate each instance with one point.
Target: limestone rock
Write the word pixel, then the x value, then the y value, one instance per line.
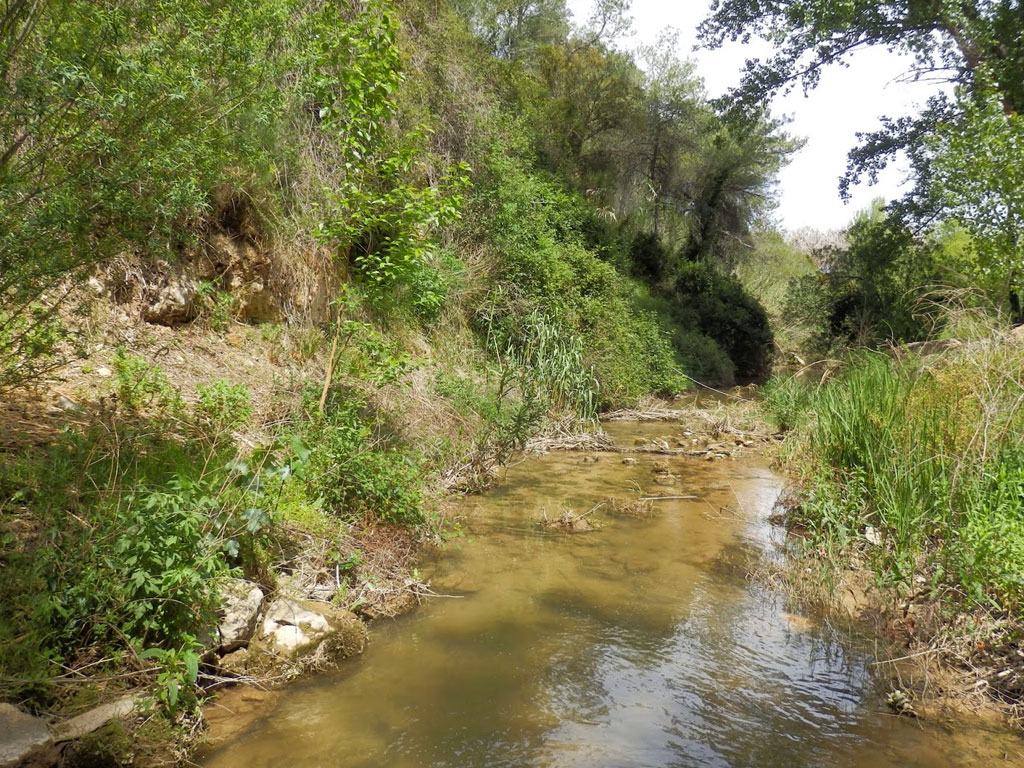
pixel 242 601
pixel 245 272
pixel 23 738
pixel 174 301
pixel 97 287
pixel 96 718
pixel 297 627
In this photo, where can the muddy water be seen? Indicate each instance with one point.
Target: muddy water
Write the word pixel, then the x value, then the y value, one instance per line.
pixel 638 644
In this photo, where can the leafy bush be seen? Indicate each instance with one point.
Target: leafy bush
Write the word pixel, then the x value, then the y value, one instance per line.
pixel 535 230
pixel 722 310
pixel 885 286
pixel 705 360
pixel 223 405
pixel 141 384
pixel 217 306
pixel 650 260
pixel 30 339
pixel 131 530
pixel 356 470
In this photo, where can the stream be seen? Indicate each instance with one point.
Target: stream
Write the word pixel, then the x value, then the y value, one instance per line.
pixel 640 643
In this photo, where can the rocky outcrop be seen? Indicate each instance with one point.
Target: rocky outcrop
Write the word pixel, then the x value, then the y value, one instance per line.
pixel 173 300
pixel 238 617
pixel 170 293
pixel 243 271
pixel 290 636
pixel 295 628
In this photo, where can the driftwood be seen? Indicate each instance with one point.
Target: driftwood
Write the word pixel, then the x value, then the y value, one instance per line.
pixel 669 498
pixel 589 441
pixel 649 414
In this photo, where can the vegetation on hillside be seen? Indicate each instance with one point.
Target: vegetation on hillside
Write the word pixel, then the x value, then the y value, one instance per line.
pixel 428 229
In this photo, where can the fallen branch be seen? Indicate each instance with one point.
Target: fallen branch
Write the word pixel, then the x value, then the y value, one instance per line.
pixel 666 498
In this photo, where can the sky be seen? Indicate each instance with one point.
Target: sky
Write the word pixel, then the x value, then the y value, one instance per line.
pixel 847 100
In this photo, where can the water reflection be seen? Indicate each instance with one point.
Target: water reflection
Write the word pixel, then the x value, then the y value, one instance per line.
pixel 640 644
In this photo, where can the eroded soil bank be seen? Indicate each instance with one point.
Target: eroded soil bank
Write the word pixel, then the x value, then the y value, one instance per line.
pixel 639 641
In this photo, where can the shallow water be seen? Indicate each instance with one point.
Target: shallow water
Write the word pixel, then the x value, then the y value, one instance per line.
pixel 641 643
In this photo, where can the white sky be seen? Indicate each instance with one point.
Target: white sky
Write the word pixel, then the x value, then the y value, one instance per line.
pixel 847 100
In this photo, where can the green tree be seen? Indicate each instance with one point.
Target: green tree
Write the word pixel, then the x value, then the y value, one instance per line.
pixel 730 187
pixel 514 29
pixel 964 148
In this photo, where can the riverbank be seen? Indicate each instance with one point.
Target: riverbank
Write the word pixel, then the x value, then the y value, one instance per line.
pixel 703 427
pixel 907 479
pixel 184 501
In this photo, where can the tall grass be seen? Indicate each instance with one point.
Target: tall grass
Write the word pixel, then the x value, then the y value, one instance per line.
pixel 928 452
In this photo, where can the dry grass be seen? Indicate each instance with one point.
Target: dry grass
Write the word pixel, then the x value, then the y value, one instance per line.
pixel 632 508
pixel 570 521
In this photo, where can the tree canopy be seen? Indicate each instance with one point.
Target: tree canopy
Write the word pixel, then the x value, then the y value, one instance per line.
pixel 965 147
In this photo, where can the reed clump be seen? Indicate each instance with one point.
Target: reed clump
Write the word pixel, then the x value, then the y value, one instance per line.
pixel 915 464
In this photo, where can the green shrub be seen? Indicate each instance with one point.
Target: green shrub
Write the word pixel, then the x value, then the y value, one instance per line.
pixel 141 384
pixel 30 337
pixel 719 307
pixel 536 229
pixel 223 405
pixel 131 530
pixel 215 305
pixel 357 471
pixel 705 360
pixel 649 259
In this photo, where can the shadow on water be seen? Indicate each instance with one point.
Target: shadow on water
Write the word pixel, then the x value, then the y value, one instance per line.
pixel 641 643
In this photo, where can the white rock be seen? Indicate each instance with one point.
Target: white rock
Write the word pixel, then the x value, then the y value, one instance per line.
pixel 291 626
pixel 289 638
pixel 175 302
pixel 104 372
pixel 21 735
pixel 242 601
pixel 67 404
